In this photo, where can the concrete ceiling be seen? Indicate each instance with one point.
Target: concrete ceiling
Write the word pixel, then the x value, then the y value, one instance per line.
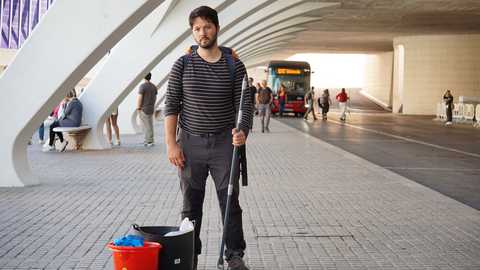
pixel 369 26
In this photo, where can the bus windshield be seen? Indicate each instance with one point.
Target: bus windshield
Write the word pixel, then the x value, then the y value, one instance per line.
pixel 296 85
pixel 294 75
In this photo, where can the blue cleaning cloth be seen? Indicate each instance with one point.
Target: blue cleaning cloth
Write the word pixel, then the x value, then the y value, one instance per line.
pixel 129 241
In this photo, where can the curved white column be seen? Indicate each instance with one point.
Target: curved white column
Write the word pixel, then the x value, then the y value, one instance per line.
pixel 254 45
pixel 230 15
pixel 228 18
pixel 55 64
pixel 136 55
pixel 275 46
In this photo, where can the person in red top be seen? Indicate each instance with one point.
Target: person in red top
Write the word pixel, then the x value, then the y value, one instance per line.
pixel 342 102
pixel 282 99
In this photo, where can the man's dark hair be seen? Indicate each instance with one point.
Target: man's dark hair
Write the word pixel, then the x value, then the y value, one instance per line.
pixel 148 77
pixel 204 12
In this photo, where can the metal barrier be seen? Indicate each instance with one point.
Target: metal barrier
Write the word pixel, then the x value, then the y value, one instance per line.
pixel 477 115
pixel 441 111
pixel 457 112
pixel 468 112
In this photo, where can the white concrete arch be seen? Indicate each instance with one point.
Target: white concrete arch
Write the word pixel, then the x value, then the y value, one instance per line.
pixel 279 18
pixel 256 45
pixel 252 37
pixel 285 32
pixel 274 46
pixel 261 54
pixel 269 10
pixel 53 64
pixel 136 55
pixel 257 17
pixel 229 17
pixel 259 59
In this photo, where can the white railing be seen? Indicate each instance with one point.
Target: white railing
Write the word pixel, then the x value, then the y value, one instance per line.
pixel 468 112
pixel 477 115
pixel 441 112
pixel 457 112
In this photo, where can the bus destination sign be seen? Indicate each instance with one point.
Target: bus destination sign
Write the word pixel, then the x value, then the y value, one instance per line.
pixel 289 71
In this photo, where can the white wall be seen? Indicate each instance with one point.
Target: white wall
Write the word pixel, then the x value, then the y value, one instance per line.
pixel 377 81
pixel 434 64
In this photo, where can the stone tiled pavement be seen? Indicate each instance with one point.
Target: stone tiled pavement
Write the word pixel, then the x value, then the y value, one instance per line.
pixel 309 205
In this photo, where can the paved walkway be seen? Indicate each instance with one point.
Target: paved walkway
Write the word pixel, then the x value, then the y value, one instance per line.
pixel 309 206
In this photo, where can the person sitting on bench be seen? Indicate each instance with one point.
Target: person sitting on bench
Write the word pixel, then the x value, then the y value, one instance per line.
pixel 71 118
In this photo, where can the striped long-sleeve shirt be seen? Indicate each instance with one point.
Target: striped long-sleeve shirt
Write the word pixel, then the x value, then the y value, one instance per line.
pixel 204 97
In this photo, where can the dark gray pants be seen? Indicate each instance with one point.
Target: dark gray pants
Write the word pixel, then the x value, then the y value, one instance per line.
pixel 212 155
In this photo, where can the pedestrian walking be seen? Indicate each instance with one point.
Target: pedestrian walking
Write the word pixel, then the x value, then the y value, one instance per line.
pixel 253 93
pixel 324 101
pixel 264 101
pixel 310 100
pixel 342 103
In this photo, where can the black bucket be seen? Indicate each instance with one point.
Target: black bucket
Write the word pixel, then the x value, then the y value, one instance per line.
pixel 177 251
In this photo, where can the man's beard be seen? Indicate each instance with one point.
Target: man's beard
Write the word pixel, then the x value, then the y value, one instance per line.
pixel 209 44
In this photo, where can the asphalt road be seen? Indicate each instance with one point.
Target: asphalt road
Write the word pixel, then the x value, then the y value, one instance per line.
pixel 441 157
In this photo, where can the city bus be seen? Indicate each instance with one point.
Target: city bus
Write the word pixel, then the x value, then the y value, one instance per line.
pixel 295 76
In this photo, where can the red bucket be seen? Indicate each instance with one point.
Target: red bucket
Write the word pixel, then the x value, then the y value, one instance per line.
pixel 136 258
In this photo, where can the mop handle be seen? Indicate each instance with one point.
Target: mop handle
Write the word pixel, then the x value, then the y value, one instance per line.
pixel 232 175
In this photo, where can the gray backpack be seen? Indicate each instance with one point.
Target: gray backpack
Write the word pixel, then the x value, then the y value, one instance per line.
pixel 309 95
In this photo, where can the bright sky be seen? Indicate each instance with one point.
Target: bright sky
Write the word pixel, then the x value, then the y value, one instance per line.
pixel 334 70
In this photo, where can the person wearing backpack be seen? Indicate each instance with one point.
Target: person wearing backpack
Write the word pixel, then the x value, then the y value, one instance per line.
pixel 310 100
pixel 324 101
pixel 342 102
pixel 202 91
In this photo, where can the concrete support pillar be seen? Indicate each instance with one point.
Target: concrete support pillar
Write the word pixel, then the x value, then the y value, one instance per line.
pixel 53 65
pixel 136 55
pixel 398 75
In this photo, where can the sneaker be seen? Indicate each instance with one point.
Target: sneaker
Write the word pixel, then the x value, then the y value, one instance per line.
pixel 448 123
pixel 48 148
pixel 41 142
pixel 305 119
pixel 267 130
pixel 111 143
pixel 236 262
pixel 117 142
pixel 150 144
pixel 143 144
pixel 63 145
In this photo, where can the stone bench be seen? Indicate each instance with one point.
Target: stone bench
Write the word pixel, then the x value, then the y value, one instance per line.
pixel 77 134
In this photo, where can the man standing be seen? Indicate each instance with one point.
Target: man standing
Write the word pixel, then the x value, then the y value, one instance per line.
pixel 264 99
pixel 448 102
pixel 147 96
pixel 310 100
pixel 203 96
pixel 253 93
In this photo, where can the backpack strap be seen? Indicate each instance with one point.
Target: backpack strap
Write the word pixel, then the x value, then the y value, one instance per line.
pixel 231 68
